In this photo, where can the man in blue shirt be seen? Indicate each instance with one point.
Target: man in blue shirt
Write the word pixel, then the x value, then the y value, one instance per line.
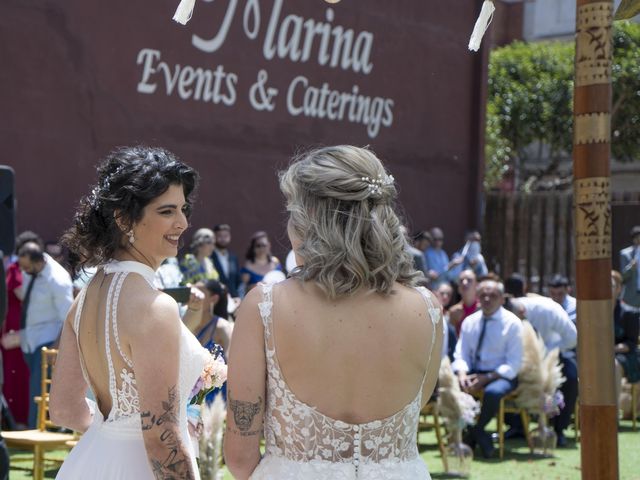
pixel 436 259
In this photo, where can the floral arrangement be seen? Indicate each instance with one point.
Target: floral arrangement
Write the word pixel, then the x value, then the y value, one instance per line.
pixel 540 376
pixel 210 441
pixel 213 376
pixel 459 409
pixel 552 404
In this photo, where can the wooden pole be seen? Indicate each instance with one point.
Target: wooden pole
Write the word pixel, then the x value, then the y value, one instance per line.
pixel 592 198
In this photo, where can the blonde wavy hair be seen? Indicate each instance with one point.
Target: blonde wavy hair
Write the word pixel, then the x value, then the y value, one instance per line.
pixel 341 205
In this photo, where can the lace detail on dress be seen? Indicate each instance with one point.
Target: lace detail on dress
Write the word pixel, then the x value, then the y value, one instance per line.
pixel 115 324
pixel 124 399
pixel 128 400
pixel 299 433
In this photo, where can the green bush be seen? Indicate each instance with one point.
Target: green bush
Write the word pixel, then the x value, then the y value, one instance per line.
pixel 531 100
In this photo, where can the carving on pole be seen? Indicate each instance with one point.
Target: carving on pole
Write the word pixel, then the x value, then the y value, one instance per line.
pixel 594 44
pixel 593 218
pixel 592 128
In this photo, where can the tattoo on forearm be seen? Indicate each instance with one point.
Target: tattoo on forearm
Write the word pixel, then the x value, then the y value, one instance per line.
pixel 244 413
pixel 174 464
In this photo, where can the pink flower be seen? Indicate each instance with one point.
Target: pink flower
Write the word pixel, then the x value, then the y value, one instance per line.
pixel 214 374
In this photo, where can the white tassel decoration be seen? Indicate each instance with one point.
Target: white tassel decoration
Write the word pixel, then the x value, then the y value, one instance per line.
pixel 482 24
pixel 184 11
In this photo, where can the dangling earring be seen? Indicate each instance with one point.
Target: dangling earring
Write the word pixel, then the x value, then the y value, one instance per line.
pixel 131 237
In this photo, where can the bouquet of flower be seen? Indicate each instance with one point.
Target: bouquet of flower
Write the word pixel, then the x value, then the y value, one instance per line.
pixel 213 376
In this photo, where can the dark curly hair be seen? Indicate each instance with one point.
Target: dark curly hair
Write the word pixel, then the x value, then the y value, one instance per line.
pixel 129 178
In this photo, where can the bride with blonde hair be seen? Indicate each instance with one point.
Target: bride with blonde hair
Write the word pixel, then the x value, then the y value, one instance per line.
pixel 334 364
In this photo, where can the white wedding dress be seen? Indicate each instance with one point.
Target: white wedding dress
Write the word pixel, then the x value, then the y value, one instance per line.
pixel 113 449
pixel 302 443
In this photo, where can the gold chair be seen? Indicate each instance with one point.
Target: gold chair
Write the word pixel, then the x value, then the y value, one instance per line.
pixel 507 405
pixel 431 408
pixel 40 440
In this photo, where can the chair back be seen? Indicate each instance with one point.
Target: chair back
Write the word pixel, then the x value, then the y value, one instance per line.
pixel 49 356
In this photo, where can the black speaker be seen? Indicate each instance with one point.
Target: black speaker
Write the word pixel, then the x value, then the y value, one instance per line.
pixel 7 210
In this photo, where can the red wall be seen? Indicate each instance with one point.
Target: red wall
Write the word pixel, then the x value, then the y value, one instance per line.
pixel 70 81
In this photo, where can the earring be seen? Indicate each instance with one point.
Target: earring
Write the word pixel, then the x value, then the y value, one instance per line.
pixel 131 237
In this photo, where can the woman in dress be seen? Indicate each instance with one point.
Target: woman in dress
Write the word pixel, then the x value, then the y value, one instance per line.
pixel 214 331
pixel 335 363
pixel 123 338
pixel 198 266
pixel 214 328
pixel 259 261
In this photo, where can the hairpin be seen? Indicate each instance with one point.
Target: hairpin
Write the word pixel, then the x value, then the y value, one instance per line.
pixel 375 185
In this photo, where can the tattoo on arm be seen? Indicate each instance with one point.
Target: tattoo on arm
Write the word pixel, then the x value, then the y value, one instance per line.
pixel 174 464
pixel 243 415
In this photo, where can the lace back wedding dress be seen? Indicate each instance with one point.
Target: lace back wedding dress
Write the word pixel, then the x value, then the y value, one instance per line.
pixel 113 448
pixel 302 443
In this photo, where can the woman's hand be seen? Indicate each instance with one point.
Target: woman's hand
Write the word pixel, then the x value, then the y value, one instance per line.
pixel 196 299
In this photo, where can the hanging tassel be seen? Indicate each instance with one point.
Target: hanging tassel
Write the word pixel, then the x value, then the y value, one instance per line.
pixel 482 24
pixel 184 11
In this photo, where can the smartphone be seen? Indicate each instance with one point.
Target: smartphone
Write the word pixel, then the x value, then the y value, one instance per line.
pixel 179 294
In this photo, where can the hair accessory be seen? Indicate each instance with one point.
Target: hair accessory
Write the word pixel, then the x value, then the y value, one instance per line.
pixel 375 184
pixel 107 181
pixel 131 237
pixel 94 198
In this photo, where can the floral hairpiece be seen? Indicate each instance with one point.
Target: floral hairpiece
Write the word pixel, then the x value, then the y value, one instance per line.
pixel 375 184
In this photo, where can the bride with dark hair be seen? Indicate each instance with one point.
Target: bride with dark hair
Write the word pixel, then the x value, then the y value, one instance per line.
pixel 123 338
pixel 335 363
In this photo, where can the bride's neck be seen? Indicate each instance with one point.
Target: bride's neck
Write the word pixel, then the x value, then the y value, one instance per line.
pixel 133 254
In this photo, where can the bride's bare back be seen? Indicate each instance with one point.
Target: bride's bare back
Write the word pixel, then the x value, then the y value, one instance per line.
pixel 358 358
pixel 124 303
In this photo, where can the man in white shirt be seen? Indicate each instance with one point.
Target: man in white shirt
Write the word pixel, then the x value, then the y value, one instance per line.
pixel 557 330
pixel 488 356
pixel 47 295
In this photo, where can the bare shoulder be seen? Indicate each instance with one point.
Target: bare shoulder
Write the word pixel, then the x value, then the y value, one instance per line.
pixel 249 311
pixel 415 295
pixel 148 309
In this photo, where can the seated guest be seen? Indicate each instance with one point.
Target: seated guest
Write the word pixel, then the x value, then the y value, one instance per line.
pixel 437 261
pixel 444 294
pixel 488 357
pixel 557 330
pixel 225 261
pixel 416 254
pixel 470 257
pixel 467 286
pixel 197 265
pixel 559 290
pixel 626 330
pixel 259 261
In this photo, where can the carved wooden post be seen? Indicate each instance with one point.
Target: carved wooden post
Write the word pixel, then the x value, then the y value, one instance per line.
pixel 592 197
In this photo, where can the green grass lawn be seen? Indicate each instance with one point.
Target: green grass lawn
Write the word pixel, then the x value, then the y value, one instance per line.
pixel 518 464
